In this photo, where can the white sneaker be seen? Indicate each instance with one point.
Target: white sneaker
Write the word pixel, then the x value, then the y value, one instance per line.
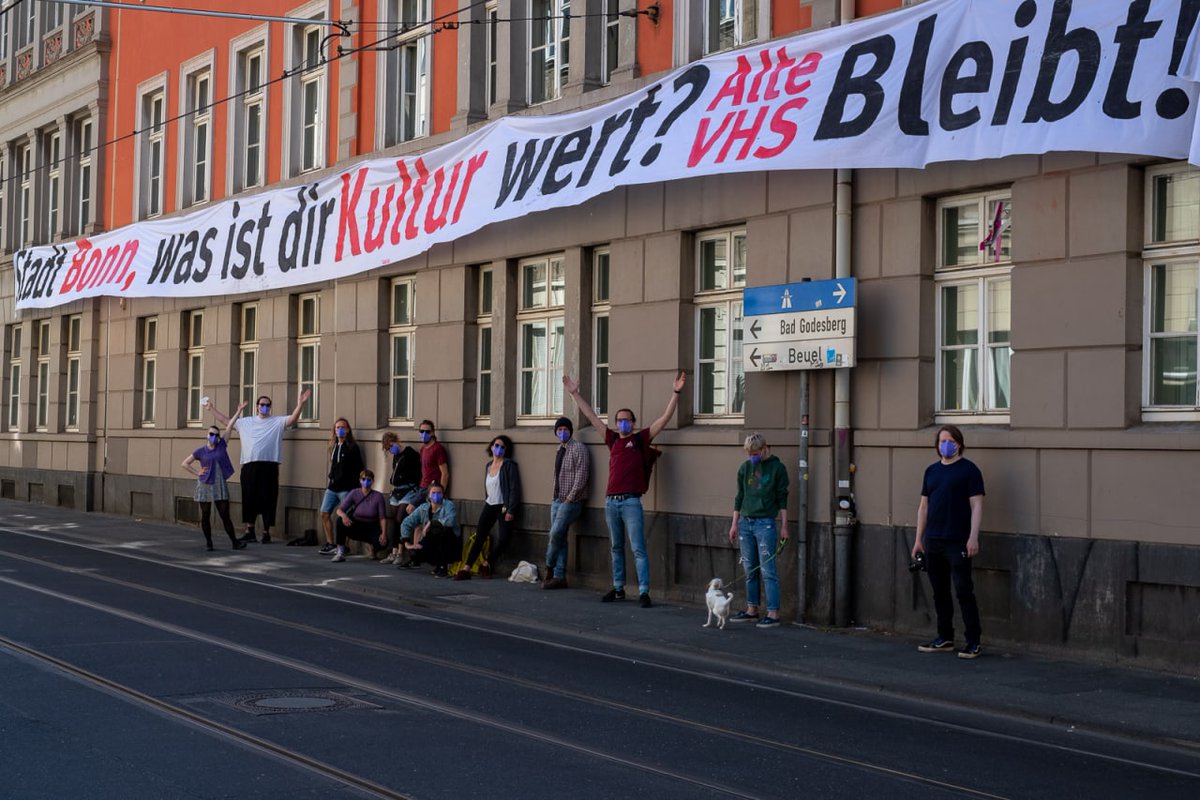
pixel 391 558
pixel 340 555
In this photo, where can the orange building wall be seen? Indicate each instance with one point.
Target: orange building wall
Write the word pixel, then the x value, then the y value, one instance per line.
pixel 655 42
pixel 865 8
pixel 444 70
pixel 790 17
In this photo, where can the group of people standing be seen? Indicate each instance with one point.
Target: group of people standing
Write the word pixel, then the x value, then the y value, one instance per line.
pixel 418 524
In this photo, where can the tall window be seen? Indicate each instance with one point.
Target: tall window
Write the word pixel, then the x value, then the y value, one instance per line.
pixel 600 309
pixel 493 41
pixel 83 194
pixel 193 337
pixel 720 279
pixel 74 336
pixel 308 351
pixel 549 48
pixel 14 376
pixel 612 37
pixel 3 37
pixel 402 329
pixel 974 299
pixel 42 332
pixel 309 105
pixel 1172 264
pixel 483 317
pixel 148 334
pixel 540 319
pixel 248 356
pixel 54 15
pixel 198 143
pixel 25 198
pixel 406 72
pixel 54 173
pixel 25 24
pixel 248 119
pixel 153 155
pixel 729 24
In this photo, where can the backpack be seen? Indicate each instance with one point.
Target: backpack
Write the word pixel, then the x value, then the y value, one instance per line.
pixel 650 455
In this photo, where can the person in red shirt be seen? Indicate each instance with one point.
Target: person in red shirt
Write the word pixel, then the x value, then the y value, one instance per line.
pixel 435 465
pixel 628 452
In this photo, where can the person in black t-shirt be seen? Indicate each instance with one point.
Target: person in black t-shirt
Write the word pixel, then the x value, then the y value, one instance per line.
pixel 406 478
pixel 948 522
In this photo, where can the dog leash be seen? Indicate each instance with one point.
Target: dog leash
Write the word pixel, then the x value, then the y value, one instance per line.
pixel 779 547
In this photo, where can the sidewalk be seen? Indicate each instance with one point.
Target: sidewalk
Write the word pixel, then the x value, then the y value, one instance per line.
pixel 1131 703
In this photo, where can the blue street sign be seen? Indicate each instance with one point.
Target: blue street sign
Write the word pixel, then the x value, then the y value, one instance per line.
pixel 785 298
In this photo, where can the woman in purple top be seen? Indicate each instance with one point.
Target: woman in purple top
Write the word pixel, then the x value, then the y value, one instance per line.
pixel 362 516
pixel 214 469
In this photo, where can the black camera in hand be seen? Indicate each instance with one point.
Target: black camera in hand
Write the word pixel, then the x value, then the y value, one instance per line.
pixel 918 563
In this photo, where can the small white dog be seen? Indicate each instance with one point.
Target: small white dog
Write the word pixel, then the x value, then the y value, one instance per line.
pixel 718 603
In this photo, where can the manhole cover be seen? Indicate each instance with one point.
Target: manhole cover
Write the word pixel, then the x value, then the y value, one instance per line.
pixel 292 701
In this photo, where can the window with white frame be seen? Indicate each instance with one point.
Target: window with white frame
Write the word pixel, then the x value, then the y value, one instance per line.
pixel 84 160
pixel 54 175
pixel 308 352
pixel 197 132
pixel 973 281
pixel 3 37
pixel 402 332
pixel 612 37
pixel 493 42
pixel 148 374
pixel 600 311
pixel 25 25
pixel 153 153
pixel 540 321
pixel 307 140
pixel 248 119
pixel 4 227
pixel 248 356
pixel 54 13
pixel 729 24
pixel 483 316
pixel 405 64
pixel 193 339
pixel 1172 276
pixel 14 376
pixel 74 337
pixel 42 390
pixel 549 48
pixel 720 279
pixel 25 196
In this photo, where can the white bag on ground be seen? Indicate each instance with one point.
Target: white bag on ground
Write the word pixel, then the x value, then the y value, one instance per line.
pixel 524 573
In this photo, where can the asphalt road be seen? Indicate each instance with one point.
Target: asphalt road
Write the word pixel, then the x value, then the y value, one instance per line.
pixel 128 678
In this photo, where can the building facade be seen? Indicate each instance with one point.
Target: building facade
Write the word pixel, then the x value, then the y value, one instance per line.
pixel 1066 349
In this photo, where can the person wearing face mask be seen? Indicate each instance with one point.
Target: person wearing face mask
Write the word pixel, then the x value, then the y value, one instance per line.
pixel 214 469
pixel 572 471
pixel 406 481
pixel 362 516
pixel 762 493
pixel 435 466
pixel 628 476
pixel 345 463
pixel 431 532
pixel 948 521
pixel 502 497
pixel 262 452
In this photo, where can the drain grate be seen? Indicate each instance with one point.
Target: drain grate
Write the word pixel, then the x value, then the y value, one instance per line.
pixel 292 701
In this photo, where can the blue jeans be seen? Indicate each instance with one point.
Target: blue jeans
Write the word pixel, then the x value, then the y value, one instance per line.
pixel 758 537
pixel 625 517
pixel 562 514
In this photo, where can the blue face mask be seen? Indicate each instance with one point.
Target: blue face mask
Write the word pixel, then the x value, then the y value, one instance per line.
pixel 755 458
pixel 624 426
pixel 264 409
pixel 366 483
pixel 497 450
pixel 435 497
pixel 213 437
pixel 564 435
pixel 394 449
pixel 341 432
pixel 948 449
pixel 426 436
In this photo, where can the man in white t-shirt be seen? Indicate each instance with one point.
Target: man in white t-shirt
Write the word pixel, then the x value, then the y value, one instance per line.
pixel 262 452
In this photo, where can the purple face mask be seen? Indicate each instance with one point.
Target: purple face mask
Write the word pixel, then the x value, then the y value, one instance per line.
pixel 394 449
pixel 564 435
pixel 435 497
pixel 497 450
pixel 947 449
pixel 755 458
pixel 624 426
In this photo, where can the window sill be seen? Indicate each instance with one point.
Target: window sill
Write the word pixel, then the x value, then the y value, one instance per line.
pixel 971 418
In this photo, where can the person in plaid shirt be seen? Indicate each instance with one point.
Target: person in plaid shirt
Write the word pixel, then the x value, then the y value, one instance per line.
pixel 572 469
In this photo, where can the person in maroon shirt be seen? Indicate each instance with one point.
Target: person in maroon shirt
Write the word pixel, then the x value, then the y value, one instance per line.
pixel 362 516
pixel 435 466
pixel 628 452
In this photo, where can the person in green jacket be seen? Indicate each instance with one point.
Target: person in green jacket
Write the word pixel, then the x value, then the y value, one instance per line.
pixel 762 490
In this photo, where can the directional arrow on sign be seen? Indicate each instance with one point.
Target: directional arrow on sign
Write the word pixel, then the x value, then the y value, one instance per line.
pixel 840 294
pixel 755 327
pixel 754 357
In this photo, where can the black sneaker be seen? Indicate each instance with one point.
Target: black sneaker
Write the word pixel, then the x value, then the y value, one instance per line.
pixel 970 651
pixel 440 572
pixel 248 537
pixel 327 549
pixel 266 539
pixel 644 600
pixel 613 594
pixel 938 645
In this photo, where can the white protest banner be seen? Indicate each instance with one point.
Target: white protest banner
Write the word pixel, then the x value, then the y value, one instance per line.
pixel 944 80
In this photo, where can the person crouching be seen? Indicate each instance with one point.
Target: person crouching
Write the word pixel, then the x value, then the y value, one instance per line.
pixel 361 516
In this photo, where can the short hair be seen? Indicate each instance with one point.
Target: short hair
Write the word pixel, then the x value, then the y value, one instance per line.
pixel 428 422
pixel 438 484
pixel 632 416
pixel 755 442
pixel 389 439
pixel 262 397
pixel 504 440
pixel 955 433
pixel 366 473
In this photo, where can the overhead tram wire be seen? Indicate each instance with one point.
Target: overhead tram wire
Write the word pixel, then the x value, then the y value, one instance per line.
pixel 287 74
pixel 11 6
pixel 341 24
